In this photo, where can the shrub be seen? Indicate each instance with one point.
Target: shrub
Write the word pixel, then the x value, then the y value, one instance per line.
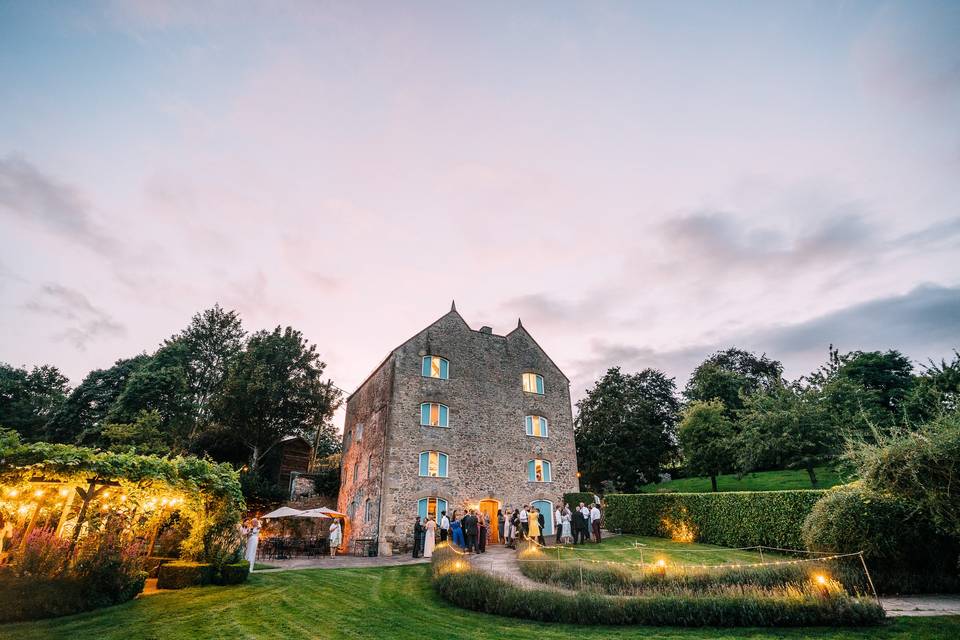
pixel 733 519
pixel 904 552
pixel 233 573
pixel 574 499
pixel 44 555
pixel 35 598
pixel 179 575
pixel 461 585
pixel 110 568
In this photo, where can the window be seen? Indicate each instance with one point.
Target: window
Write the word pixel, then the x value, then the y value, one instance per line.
pixel 431 508
pixel 433 414
pixel 536 426
pixel 435 367
pixel 352 510
pixel 533 383
pixel 359 430
pixel 346 440
pixel 433 464
pixel 367 511
pixel 369 466
pixel 538 471
pixel 356 471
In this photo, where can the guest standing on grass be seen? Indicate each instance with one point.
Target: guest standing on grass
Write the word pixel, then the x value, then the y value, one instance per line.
pixel 253 532
pixel 541 520
pixel 444 526
pixel 417 538
pixel 585 532
pixel 456 531
pixel 557 520
pixel 595 522
pixel 429 539
pixel 336 536
pixel 566 535
pixel 533 525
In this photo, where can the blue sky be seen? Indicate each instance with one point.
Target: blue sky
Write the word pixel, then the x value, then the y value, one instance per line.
pixel 641 182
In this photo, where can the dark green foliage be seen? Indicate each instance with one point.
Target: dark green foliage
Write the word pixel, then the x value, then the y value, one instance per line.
pixel 574 499
pixel 326 475
pixel 29 398
pixel 182 574
pixel 733 519
pixel 626 429
pixel 904 552
pixel 729 376
pixel 936 391
pixel 708 439
pixel 888 374
pixel 144 435
pixel 261 492
pixel 478 591
pixel 36 598
pixel 235 573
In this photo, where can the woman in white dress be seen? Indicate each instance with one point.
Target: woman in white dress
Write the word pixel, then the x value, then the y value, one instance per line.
pixel 336 535
pixel 566 536
pixel 253 538
pixel 429 538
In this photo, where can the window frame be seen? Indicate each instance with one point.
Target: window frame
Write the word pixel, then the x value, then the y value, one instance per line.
pixel 443 464
pixel 538 384
pixel 443 415
pixel 442 366
pixel 543 423
pixel 438 508
pixel 546 470
pixel 358 432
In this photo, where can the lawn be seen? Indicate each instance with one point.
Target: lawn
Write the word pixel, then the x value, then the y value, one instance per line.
pixel 628 549
pixel 394 603
pixel 760 481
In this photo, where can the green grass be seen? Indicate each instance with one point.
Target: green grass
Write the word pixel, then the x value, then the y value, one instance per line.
pixel 623 549
pixel 394 603
pixel 760 481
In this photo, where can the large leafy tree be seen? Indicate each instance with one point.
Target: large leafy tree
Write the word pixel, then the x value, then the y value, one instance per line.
pixel 708 439
pixel 29 398
pixel 626 429
pixel 936 391
pixel 731 375
pixel 81 416
pixel 786 426
pixel 273 389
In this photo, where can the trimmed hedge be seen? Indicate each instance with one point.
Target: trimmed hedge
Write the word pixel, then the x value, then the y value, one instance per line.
pixel 732 519
pixel 34 598
pixel 233 573
pixel 179 575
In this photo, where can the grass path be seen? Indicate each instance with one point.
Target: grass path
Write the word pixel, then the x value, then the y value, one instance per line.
pixel 760 481
pixel 385 603
pixel 623 548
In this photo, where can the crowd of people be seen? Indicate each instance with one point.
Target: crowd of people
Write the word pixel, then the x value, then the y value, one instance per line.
pixel 471 530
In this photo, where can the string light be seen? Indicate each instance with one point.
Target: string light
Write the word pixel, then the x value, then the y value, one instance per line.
pixel 64 492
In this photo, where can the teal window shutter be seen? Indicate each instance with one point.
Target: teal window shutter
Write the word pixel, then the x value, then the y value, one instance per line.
pixel 422 509
pixel 443 465
pixel 425 367
pixel 424 413
pixel 531 471
pixel 544 427
pixel 529 421
pixel 441 507
pixel 444 369
pixel 424 462
pixel 443 415
pixel 539 384
pixel 546 472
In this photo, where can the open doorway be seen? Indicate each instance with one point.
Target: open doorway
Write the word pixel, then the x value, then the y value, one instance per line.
pixel 489 508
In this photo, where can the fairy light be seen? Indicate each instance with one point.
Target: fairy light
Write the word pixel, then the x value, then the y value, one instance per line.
pixel 64 492
pixel 38 493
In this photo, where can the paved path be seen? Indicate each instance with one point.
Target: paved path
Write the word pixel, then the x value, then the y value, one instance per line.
pixel 502 562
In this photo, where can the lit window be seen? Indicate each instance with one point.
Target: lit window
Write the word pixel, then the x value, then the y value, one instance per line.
pixel 359 429
pixel 430 508
pixel 538 471
pixel 533 383
pixel 435 367
pixel 537 426
pixel 433 464
pixel 433 414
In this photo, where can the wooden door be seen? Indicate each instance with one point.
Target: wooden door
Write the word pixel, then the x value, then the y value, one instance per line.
pixel 489 508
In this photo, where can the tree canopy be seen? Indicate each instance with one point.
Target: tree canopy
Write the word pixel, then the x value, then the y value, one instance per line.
pixel 708 439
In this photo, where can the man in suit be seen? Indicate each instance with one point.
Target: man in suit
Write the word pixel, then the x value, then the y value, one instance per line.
pixel 541 521
pixel 469 524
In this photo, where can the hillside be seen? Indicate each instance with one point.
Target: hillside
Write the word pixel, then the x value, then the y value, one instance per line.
pixel 760 481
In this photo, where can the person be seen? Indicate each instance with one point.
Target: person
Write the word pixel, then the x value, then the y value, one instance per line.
pixel 541 521
pixel 501 523
pixel 508 530
pixel 456 531
pixel 429 539
pixel 585 532
pixel 336 536
pixel 533 525
pixel 469 524
pixel 524 522
pixel 566 535
pixel 417 538
pixel 253 539
pixel 483 530
pixel 577 526
pixel 557 521
pixel 517 533
pixel 595 522
pixel 444 526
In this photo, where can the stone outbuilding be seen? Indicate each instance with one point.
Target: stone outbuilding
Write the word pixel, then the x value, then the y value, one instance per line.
pixel 456 419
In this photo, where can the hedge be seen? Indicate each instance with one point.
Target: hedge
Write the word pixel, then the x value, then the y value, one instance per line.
pixel 34 598
pixel 574 499
pixel 179 575
pixel 732 519
pixel 233 573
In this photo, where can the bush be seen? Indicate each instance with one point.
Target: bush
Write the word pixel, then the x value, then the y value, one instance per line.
pixel 904 552
pixel 44 555
pixel 179 575
pixel 109 567
pixel 574 499
pixel 233 573
pixel 457 582
pixel 733 519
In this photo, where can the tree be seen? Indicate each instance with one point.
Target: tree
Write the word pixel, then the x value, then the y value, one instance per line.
pixel 786 426
pixel 29 398
pixel 79 418
pixel 935 392
pixel 273 389
pixel 626 429
pixel 707 439
pixel 143 436
pixel 731 375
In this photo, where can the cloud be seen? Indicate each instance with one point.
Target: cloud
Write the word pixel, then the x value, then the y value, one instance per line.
pixel 84 322
pixel 29 194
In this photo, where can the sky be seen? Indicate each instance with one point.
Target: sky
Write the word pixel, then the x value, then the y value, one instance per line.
pixel 642 183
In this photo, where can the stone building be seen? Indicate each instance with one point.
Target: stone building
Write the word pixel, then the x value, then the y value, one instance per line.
pixel 453 419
